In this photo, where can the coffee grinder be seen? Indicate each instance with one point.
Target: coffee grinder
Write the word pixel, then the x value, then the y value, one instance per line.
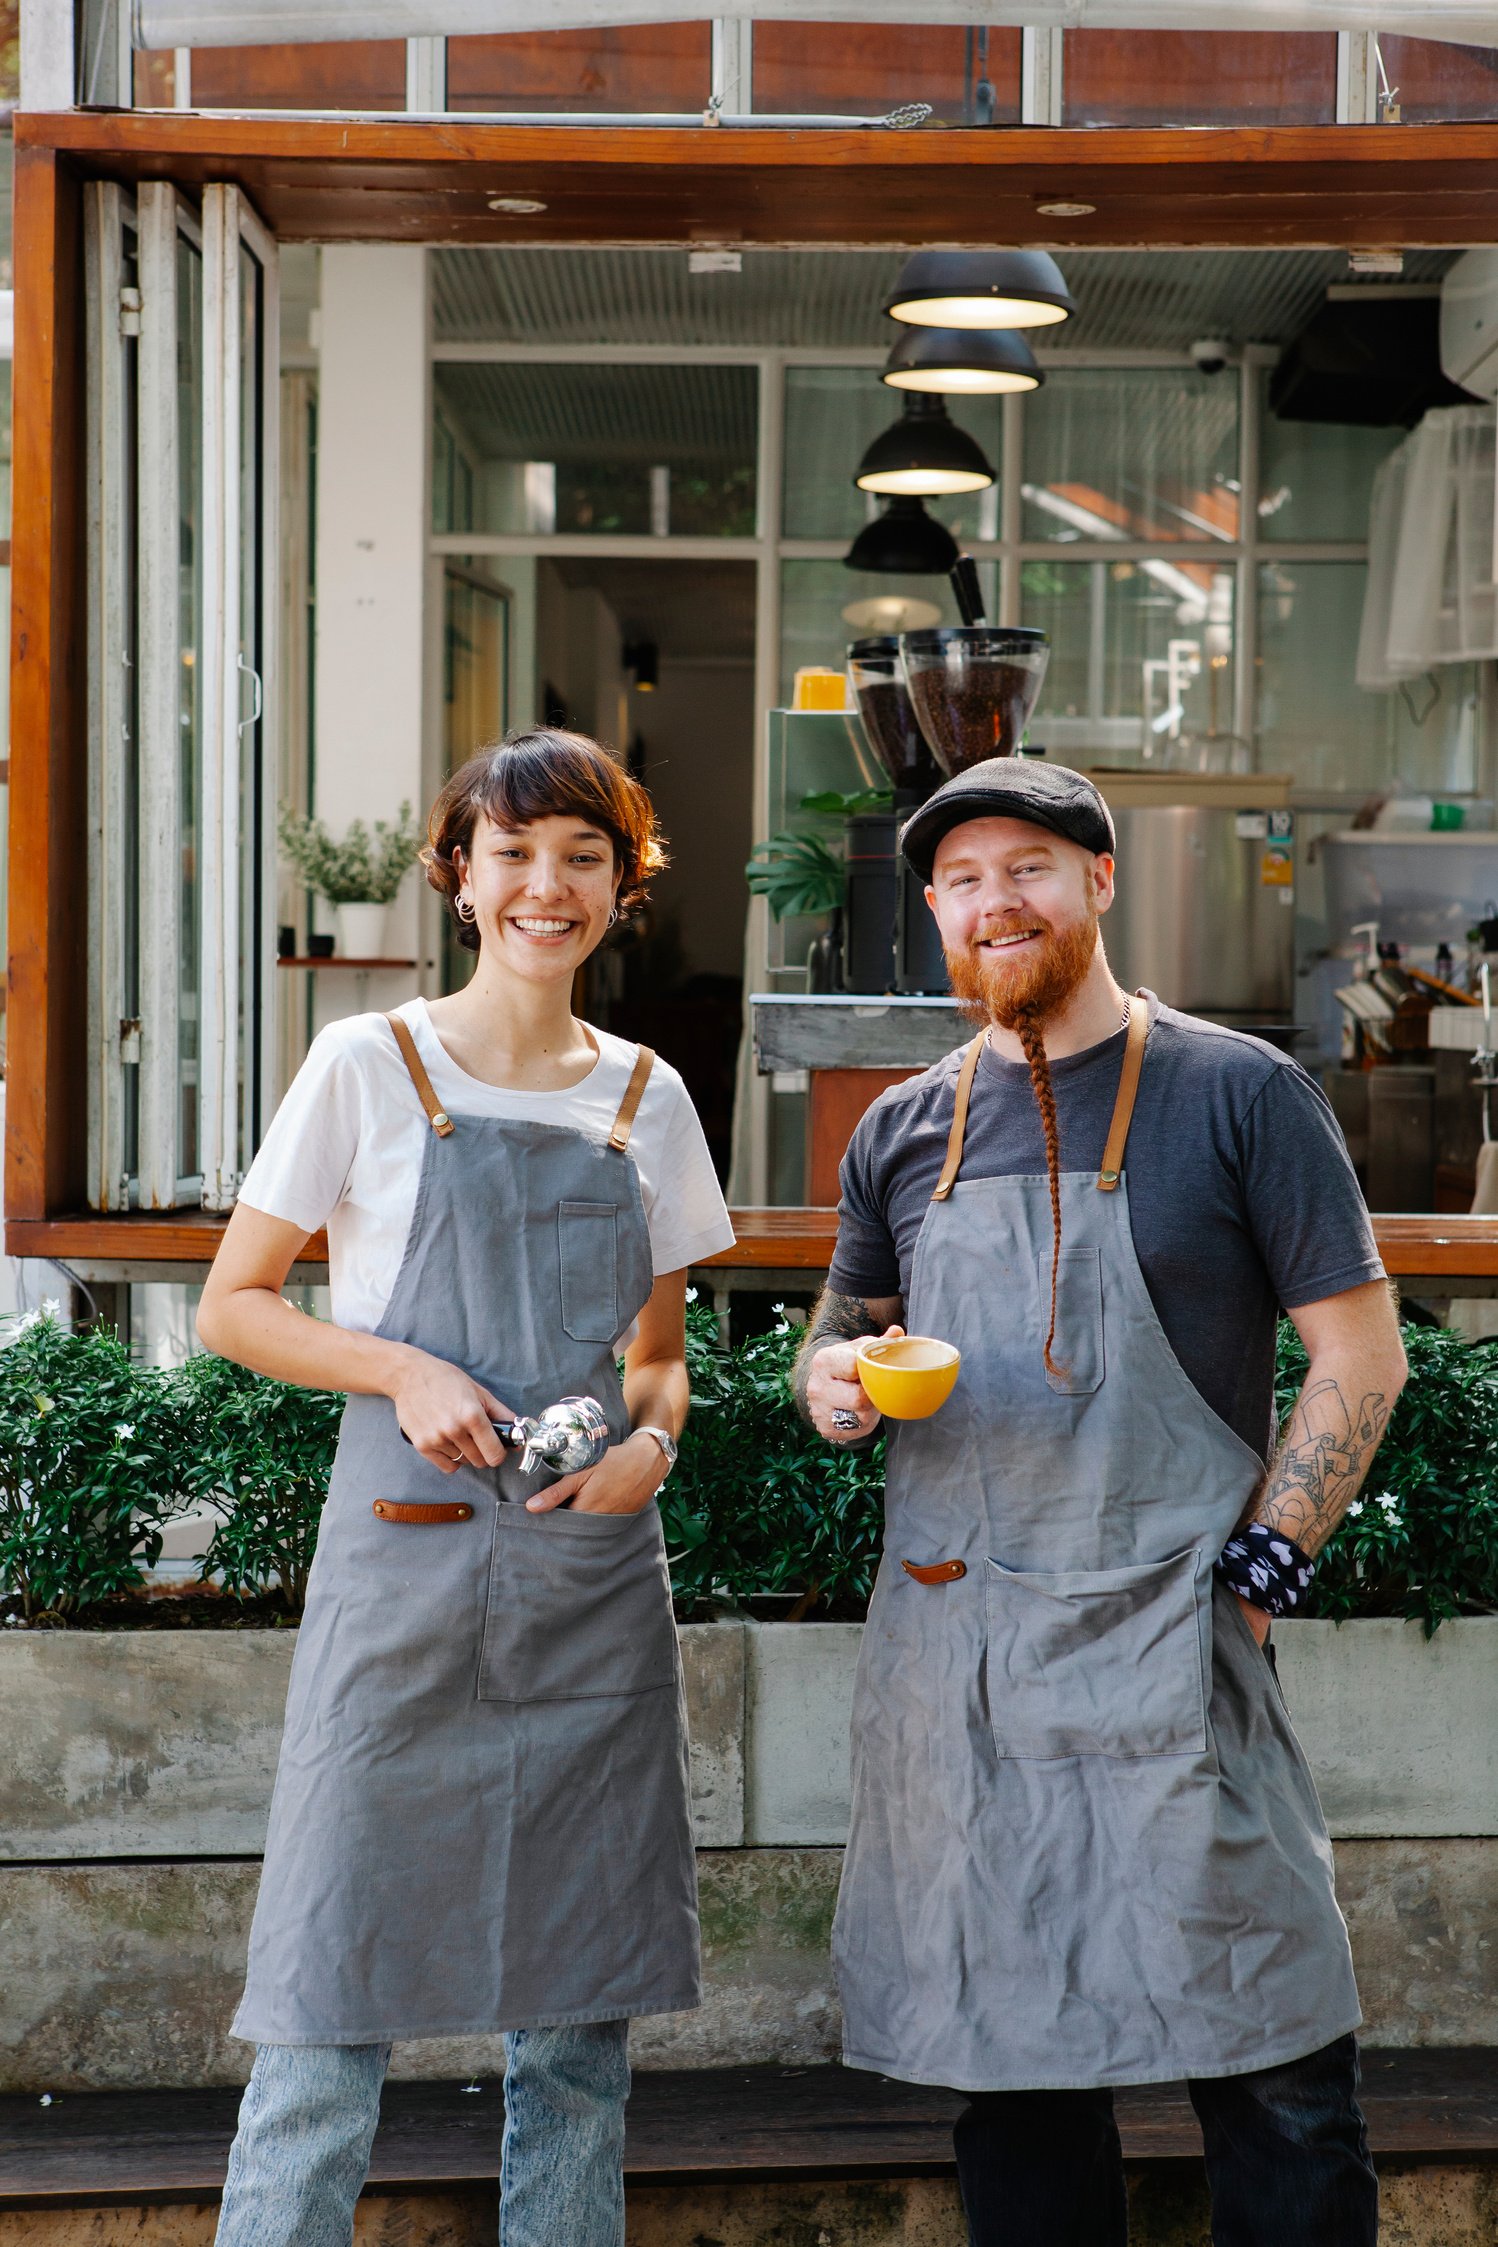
pixel 886 944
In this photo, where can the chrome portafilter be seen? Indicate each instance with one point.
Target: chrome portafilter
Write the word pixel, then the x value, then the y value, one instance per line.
pixel 566 1437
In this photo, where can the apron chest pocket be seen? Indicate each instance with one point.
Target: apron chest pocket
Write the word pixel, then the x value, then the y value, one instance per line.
pixel 579 1607
pixel 1103 1662
pixel 588 1243
pixel 1078 1347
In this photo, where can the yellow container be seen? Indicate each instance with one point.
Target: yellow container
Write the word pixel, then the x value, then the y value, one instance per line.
pixel 817 688
pixel 908 1377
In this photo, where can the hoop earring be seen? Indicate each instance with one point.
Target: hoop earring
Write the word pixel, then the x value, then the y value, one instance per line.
pixel 464 908
pixel 613 916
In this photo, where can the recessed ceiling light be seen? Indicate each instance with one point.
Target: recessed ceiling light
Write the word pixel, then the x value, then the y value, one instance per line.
pixel 1066 210
pixel 516 206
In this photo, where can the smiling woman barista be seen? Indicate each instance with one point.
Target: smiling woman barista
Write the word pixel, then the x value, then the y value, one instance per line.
pixel 480 1819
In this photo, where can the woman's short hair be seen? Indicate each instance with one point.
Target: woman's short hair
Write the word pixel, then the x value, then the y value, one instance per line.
pixel 541 774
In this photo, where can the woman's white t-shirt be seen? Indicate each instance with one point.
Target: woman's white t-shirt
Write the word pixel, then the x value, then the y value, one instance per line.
pixel 346 1146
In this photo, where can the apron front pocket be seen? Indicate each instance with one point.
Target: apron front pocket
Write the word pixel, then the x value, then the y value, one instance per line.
pixel 1098 1662
pixel 579 1606
pixel 1078 1347
pixel 588 1241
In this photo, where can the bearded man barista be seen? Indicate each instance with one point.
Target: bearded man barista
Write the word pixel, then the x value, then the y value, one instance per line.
pixel 1085 1847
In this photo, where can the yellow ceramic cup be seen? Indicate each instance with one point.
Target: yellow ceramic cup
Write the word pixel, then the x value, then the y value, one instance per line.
pixel 908 1377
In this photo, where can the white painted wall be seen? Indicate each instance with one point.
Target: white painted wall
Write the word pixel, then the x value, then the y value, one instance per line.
pixel 372 509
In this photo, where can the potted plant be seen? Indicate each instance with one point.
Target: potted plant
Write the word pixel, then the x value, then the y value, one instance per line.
pixel 358 874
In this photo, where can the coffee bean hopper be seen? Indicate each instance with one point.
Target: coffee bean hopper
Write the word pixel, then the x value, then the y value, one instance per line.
pixel 890 942
pixel 973 685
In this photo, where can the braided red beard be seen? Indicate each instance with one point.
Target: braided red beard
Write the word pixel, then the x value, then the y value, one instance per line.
pixel 1020 995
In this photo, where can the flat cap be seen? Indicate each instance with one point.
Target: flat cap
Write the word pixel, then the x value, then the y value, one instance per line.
pixel 1010 788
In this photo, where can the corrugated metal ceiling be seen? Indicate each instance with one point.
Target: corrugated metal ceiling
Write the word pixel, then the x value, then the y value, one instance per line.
pixel 1149 300
pixel 673 415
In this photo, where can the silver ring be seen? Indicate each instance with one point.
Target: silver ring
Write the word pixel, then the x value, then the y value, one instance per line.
pixel 844 1419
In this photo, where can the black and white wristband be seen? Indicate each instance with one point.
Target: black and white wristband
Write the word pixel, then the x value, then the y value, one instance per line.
pixel 1266 1568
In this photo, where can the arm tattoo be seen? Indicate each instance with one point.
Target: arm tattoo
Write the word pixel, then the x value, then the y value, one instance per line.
pixel 837 1318
pixel 1324 1453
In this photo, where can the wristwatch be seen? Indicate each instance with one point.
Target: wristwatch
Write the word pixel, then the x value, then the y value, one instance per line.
pixel 665 1439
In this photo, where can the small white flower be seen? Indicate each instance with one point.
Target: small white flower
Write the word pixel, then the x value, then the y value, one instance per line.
pixel 1356 1507
pixel 124 1430
pixel 51 1307
pixel 1389 1502
pixel 691 1294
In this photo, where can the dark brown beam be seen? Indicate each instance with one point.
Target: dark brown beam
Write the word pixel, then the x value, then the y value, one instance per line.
pixel 410 180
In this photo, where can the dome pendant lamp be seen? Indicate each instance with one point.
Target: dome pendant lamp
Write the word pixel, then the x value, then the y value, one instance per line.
pixel 962 362
pixel 904 541
pixel 923 453
pixel 980 289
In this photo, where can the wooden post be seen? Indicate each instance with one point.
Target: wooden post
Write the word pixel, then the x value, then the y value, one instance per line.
pixel 45 1103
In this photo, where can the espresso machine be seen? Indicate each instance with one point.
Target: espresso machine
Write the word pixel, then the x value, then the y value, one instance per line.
pixel 932 703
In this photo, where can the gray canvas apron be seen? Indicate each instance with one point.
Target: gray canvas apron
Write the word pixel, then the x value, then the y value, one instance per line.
pixel 1085 1848
pixel 480 1818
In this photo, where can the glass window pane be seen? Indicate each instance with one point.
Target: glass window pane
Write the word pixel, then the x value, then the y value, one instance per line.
pixel 629 450
pixel 969 76
pixel 1431 79
pixel 1317 724
pixel 1141 655
pixel 320 74
pixel 1199 78
pixel 1316 477
pixel 189 611
pixel 661 67
pixel 831 415
pixel 1132 452
pixel 813 596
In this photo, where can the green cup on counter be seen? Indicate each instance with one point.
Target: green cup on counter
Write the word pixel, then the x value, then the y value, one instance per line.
pixel 1445 819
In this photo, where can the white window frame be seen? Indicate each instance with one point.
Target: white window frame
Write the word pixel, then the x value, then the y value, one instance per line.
pixel 237 732
pixel 236 993
pixel 113 1036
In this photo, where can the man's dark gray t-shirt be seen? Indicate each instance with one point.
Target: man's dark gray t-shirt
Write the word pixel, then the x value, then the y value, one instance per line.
pixel 1241 1194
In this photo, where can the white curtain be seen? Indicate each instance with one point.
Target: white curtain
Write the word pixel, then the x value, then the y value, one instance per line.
pixel 219 23
pixel 1431 597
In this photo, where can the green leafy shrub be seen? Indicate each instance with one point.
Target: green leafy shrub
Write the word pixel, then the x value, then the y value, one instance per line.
pixel 759 1505
pixel 261 1453
pixel 365 868
pixel 1422 1539
pixel 86 1450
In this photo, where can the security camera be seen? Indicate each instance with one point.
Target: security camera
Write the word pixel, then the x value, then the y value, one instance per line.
pixel 1211 353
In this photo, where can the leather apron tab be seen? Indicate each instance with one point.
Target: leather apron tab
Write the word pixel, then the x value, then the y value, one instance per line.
pixel 935 1571
pixel 394 1509
pixel 437 1116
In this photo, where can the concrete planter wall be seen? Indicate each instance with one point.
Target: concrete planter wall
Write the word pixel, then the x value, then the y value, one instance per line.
pixel 134 1790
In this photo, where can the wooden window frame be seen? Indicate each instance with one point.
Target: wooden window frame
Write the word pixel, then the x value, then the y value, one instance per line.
pixel 420 180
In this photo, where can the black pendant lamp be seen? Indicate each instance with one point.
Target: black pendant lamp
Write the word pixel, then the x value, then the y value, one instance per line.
pixel 980 289
pixel 923 454
pixel 962 362
pixel 904 541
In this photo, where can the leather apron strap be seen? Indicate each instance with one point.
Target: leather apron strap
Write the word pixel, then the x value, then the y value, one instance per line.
pixel 438 1117
pixel 1128 1088
pixel 629 1106
pixel 1118 1129
pixel 953 1163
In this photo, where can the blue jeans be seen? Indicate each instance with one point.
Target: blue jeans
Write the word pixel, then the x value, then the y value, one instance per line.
pixel 1286 2150
pixel 308 2121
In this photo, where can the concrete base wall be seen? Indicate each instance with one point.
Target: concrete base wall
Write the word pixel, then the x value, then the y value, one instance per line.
pixel 126 1976
pixel 1421 2207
